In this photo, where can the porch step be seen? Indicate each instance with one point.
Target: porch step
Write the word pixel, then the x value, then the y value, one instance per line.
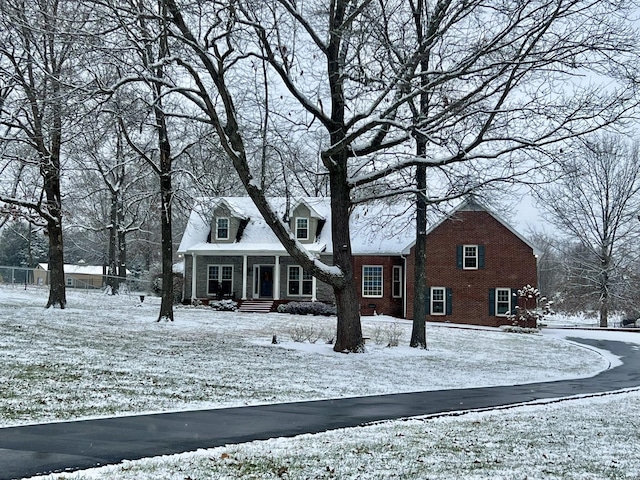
pixel 256 306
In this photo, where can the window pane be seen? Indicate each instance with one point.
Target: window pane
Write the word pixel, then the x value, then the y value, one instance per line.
pixel 222 226
pixel 397 281
pixel 302 228
pixel 503 301
pixel 372 281
pixel 294 281
pixel 227 273
pixel 471 256
pixel 437 300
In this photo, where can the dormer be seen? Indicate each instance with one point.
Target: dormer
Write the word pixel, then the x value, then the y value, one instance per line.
pixel 305 222
pixel 227 223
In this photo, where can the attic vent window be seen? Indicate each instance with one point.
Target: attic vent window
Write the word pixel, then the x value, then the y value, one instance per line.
pixel 222 228
pixel 302 228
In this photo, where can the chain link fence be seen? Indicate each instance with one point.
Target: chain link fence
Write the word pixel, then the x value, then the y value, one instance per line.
pixel 29 277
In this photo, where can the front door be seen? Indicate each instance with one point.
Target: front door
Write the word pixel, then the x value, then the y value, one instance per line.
pixel 263 285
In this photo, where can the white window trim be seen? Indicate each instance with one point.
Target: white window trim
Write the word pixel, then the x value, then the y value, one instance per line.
pixel 69 281
pixel 509 308
pixel 300 282
pixel 444 301
pixel 307 229
pixel 219 279
pixel 218 228
pixel 381 281
pixel 464 257
pixel 398 269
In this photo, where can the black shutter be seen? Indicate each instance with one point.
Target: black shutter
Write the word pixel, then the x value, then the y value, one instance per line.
pixel 427 299
pixel 459 256
pixel 481 256
pixel 514 300
pixel 492 302
pixel 449 301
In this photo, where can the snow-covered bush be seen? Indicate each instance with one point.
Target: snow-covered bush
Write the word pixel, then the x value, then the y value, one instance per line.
pixel 224 305
pixel 531 308
pixel 516 329
pixel 307 308
pixel 389 334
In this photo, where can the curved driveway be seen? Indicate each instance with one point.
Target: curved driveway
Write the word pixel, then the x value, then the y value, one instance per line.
pixel 35 449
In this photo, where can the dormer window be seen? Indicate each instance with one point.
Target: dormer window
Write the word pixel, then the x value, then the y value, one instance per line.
pixel 222 228
pixel 302 228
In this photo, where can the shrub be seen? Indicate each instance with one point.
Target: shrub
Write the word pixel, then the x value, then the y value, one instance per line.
pixel 516 329
pixel 534 310
pixel 307 308
pixel 224 305
pixel 389 334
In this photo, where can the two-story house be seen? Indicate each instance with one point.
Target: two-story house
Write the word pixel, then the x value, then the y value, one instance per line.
pixel 475 261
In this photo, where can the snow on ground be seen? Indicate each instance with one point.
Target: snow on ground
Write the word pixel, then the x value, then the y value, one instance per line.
pixel 107 355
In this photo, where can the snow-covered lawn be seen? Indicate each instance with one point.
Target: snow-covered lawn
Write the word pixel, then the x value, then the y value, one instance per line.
pixel 107 355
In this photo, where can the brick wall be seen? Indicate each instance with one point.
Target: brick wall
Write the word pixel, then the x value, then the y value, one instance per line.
pixel 386 304
pixel 509 263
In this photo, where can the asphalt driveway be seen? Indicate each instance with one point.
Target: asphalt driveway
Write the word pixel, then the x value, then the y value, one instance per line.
pixel 54 447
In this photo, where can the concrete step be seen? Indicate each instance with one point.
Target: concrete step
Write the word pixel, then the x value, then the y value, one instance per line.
pixel 256 306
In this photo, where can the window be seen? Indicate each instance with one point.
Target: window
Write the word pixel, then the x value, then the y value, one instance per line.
pixel 220 280
pixel 222 228
pixel 470 253
pixel 470 257
pixel 69 281
pixel 397 281
pixel 503 302
pixel 438 301
pixel 372 281
pixel 300 282
pixel 302 228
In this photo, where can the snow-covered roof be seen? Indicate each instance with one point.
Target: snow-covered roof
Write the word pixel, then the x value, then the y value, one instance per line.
pixel 376 229
pixel 77 269
pixel 472 204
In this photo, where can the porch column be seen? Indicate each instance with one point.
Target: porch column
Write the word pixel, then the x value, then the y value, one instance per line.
pixel 276 279
pixel 314 289
pixel 193 276
pixel 244 277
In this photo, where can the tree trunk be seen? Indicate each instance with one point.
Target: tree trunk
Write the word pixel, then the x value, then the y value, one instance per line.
pixel 166 304
pixel 122 247
pixel 57 287
pixel 349 330
pixel 418 332
pixel 604 294
pixel 112 281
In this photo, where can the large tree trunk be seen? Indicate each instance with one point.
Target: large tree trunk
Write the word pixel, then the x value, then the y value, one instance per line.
pixel 418 332
pixel 349 330
pixel 57 287
pixel 50 171
pixel 166 304
pixel 57 290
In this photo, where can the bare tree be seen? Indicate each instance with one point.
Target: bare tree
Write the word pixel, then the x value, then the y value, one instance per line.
pixel 596 204
pixel 497 77
pixel 39 62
